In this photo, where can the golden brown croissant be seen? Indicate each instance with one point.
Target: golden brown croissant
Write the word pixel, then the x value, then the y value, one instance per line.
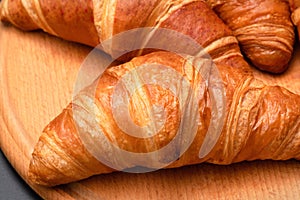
pixel 260 121
pixel 47 164
pixel 263 28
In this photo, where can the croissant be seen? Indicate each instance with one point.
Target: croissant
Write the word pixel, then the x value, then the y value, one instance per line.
pixel 262 27
pixel 295 8
pixel 259 121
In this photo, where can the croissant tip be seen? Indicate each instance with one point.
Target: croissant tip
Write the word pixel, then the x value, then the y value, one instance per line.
pixel 33 179
pixel 277 70
pixel 278 65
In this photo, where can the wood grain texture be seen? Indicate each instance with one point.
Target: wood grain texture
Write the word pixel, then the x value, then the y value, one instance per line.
pixel 37 75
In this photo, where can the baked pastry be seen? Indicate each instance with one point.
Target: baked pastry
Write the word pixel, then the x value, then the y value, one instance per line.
pixel 263 27
pixel 257 121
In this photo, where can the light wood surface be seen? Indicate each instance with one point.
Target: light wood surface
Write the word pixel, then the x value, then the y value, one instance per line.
pixel 37 75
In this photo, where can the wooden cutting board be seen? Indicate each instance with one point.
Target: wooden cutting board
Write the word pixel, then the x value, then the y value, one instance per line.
pixel 37 75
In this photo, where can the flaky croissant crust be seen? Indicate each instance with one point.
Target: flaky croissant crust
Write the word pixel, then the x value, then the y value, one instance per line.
pixel 261 122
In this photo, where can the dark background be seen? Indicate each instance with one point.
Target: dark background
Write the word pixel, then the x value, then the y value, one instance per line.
pixel 12 186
